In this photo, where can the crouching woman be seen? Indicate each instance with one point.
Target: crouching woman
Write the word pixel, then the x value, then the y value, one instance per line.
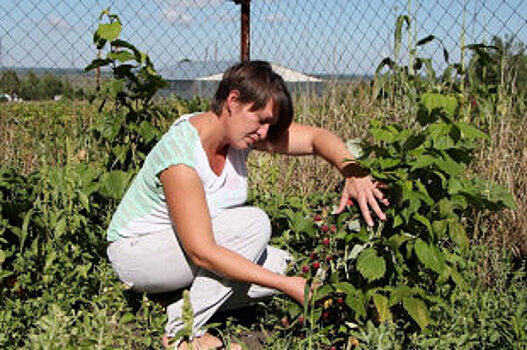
pixel 183 222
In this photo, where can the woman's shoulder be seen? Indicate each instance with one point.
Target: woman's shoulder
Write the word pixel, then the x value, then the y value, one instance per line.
pixel 182 129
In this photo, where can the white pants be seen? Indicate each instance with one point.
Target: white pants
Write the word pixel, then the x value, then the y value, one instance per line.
pixel 156 263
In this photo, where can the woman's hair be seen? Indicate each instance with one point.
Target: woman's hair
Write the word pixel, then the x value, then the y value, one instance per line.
pixel 256 83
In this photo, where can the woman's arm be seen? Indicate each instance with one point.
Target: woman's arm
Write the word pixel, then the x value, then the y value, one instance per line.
pixel 305 140
pixel 189 212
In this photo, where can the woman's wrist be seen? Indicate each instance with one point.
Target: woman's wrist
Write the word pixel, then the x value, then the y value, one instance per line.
pixel 353 169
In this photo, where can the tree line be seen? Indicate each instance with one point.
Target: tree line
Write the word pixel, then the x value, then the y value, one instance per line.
pixel 33 87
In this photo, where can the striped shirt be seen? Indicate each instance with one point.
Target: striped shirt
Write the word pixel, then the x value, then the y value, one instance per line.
pixel 143 208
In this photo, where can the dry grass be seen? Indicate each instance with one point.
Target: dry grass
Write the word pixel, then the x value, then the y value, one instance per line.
pixel 32 133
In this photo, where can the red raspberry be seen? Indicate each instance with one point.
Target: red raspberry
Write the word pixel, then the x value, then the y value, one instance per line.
pixel 316 265
pixel 305 269
pixel 317 218
pixel 325 241
pixel 324 228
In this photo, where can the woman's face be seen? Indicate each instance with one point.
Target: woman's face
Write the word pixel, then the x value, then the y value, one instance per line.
pixel 248 127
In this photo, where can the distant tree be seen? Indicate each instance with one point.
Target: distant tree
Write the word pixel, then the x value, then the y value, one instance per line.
pixel 29 88
pixel 49 86
pixel 10 83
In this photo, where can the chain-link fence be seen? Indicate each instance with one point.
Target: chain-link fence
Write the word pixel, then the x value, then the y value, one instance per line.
pixel 315 37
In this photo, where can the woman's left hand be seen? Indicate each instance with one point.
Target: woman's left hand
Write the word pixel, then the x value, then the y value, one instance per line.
pixel 367 193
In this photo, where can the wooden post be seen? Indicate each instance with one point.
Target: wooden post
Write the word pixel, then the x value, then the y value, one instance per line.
pixel 245 44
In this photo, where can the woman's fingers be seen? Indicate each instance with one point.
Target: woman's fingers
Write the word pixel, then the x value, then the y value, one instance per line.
pixel 343 201
pixel 365 210
pixel 375 207
pixel 368 195
pixel 380 196
pixel 379 184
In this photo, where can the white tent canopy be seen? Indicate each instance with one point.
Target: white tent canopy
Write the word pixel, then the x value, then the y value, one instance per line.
pixel 289 75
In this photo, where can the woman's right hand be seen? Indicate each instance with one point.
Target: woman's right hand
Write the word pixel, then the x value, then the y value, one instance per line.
pixel 294 287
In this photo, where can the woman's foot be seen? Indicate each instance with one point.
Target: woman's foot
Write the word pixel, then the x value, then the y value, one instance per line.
pixel 205 342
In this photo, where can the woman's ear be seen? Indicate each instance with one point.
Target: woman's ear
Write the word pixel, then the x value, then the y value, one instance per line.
pixel 232 99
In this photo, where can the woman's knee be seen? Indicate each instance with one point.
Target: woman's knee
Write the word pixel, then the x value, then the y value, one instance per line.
pixel 259 223
pixel 242 226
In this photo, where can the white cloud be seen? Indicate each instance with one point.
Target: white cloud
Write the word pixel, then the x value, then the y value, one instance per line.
pixel 180 11
pixel 175 16
pixel 277 18
pixel 227 17
pixel 188 4
pixel 58 23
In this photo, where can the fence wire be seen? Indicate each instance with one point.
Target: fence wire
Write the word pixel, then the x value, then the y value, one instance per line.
pixel 326 38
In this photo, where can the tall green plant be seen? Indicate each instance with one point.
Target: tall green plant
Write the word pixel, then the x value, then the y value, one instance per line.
pixel 391 273
pixel 128 128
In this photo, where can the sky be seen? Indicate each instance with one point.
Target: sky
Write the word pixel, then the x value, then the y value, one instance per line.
pixel 313 36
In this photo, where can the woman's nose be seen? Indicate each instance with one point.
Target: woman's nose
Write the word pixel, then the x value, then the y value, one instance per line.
pixel 262 132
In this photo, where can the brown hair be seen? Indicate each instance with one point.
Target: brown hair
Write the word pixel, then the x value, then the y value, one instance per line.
pixel 257 83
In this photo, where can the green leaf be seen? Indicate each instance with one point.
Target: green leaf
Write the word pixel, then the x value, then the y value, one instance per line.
pixel 381 304
pixel 446 208
pixel 387 163
pixel 398 31
pixel 323 291
pixel 424 221
pixel 370 265
pixel 113 87
pixel 397 240
pixel 434 101
pixel 398 294
pixel 430 256
pixel 449 166
pixel 109 31
pixel 439 227
pixel 121 43
pixel 98 62
pixel 299 223
pixel 114 183
pixel 422 161
pixel 458 234
pixel 128 317
pixel 471 132
pixel 121 56
pixel 457 278
pixel 397 220
pixel 357 303
pixel 454 185
pixel 60 227
pixel 382 134
pixel 417 309
pixel 425 40
pixel 85 202
pixel 413 143
pixel 25 228
pixel 344 287
pixel 147 131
